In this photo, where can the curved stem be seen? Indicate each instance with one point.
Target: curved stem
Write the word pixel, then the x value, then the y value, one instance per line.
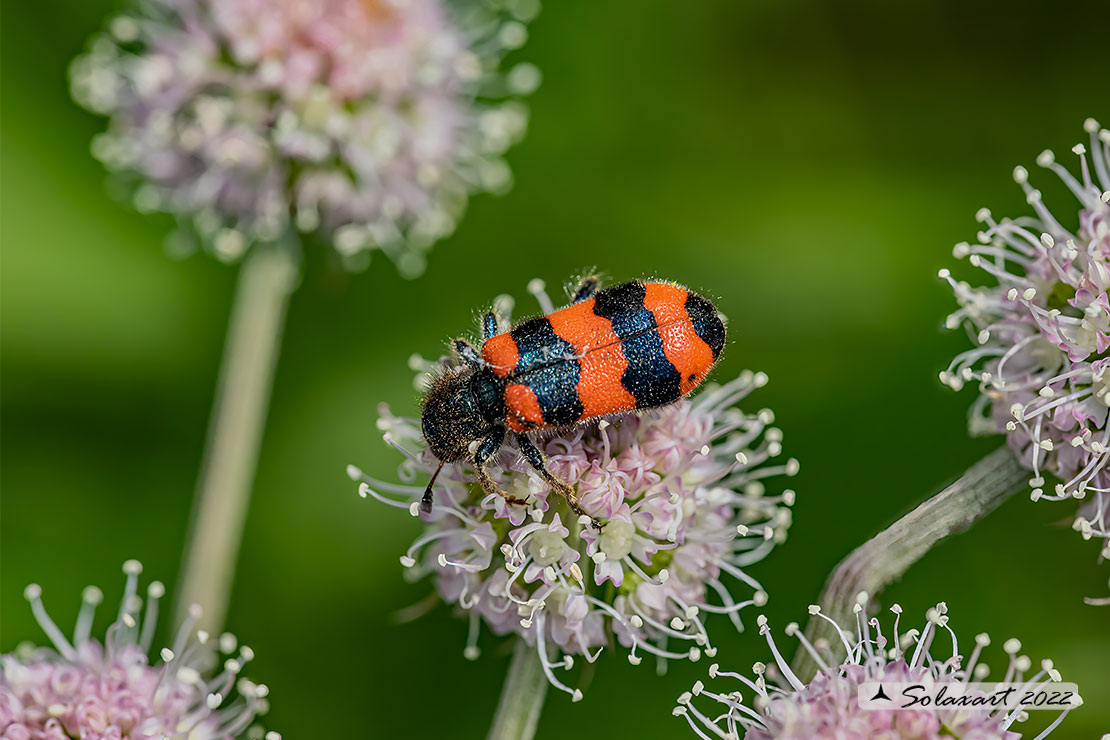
pixel 518 710
pixel 883 559
pixel 266 280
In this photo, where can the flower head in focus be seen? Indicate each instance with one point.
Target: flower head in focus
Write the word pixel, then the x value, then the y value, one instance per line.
pixel 686 509
pixel 365 122
pixel 109 690
pixel 1042 330
pixel 776 705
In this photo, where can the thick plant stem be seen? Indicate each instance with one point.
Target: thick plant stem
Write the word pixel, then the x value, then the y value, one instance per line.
pixel 883 559
pixel 518 710
pixel 266 279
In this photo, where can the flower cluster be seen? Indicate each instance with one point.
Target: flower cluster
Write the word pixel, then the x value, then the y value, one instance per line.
pixel 685 510
pixel 1043 335
pixel 782 707
pixel 85 689
pixel 366 122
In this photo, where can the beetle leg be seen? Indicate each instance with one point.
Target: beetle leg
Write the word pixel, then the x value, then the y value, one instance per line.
pixel 426 499
pixel 487 448
pixel 491 326
pixel 466 352
pixel 535 458
pixel 498 319
pixel 586 288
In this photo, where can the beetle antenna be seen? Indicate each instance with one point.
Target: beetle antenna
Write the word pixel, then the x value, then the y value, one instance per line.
pixel 426 500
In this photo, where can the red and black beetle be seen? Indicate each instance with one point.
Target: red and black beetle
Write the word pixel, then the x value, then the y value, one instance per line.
pixel 638 345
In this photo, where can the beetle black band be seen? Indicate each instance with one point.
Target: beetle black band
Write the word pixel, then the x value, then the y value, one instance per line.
pixel 549 366
pixel 707 323
pixel 650 377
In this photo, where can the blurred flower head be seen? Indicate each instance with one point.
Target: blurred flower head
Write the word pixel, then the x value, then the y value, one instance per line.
pixel 685 509
pixel 109 690
pixel 776 705
pixel 1042 334
pixel 365 122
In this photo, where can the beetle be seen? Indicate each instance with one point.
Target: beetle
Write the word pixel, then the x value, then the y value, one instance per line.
pixel 638 345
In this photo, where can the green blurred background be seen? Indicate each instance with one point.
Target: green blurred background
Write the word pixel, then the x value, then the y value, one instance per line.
pixel 810 164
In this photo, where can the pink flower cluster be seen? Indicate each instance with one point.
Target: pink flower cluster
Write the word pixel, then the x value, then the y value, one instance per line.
pixel 1042 331
pixel 85 689
pixel 366 122
pixel 682 495
pixel 782 707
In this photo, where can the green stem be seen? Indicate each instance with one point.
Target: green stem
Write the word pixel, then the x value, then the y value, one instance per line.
pixel 266 280
pixel 883 559
pixel 518 710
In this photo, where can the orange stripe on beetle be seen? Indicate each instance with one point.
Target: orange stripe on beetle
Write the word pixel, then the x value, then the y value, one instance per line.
pixel 501 354
pixel 582 328
pixel 601 359
pixel 524 408
pixel 688 352
pixel 667 302
pixel 599 384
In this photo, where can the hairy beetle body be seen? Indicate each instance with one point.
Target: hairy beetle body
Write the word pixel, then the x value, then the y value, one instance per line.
pixel 638 345
pixel 633 346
